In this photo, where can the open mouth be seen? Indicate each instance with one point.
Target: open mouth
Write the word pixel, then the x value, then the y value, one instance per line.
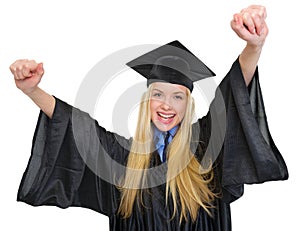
pixel 166 116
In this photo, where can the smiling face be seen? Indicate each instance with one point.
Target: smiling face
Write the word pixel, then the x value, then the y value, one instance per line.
pixel 167 104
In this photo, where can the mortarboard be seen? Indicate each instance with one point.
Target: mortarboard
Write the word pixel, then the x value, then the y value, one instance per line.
pixel 172 63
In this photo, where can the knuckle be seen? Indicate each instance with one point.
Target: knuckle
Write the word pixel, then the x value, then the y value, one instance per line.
pixel 19 68
pixel 254 14
pixel 26 66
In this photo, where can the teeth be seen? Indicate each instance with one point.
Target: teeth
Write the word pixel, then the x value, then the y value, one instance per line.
pixel 165 116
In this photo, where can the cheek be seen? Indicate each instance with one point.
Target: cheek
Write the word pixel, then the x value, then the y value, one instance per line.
pixel 181 114
pixel 181 111
pixel 153 106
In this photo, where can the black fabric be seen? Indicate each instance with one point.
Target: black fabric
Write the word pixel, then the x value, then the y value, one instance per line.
pixel 70 151
pixel 172 63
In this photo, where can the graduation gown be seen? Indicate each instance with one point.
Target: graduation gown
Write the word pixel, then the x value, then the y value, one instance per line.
pixel 70 152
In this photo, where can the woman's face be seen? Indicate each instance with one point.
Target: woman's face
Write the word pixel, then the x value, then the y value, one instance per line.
pixel 167 105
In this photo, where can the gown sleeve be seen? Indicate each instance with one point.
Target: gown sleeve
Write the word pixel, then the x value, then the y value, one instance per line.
pixel 69 154
pixel 248 154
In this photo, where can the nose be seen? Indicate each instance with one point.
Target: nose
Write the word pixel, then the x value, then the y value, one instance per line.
pixel 166 105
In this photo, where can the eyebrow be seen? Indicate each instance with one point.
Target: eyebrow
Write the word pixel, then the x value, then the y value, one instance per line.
pixel 155 89
pixel 176 92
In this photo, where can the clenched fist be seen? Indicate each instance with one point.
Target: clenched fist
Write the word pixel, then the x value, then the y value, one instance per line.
pixel 27 74
pixel 250 25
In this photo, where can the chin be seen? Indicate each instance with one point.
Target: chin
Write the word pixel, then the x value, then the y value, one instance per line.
pixel 163 127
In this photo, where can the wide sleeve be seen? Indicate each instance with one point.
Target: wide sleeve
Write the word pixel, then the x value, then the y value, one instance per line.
pixel 72 162
pixel 248 154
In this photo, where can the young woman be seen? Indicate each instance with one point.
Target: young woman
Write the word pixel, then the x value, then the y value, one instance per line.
pixel 175 176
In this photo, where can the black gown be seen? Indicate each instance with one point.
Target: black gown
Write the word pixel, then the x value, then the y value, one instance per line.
pixel 69 153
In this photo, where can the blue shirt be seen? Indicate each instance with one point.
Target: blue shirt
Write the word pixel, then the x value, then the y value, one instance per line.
pixel 159 139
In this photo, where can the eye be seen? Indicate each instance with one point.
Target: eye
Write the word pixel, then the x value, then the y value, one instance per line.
pixel 178 97
pixel 157 95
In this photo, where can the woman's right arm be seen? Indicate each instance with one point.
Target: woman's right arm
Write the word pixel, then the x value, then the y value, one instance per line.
pixel 27 75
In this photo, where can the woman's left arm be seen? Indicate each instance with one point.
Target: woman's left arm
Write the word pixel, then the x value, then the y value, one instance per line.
pixel 250 26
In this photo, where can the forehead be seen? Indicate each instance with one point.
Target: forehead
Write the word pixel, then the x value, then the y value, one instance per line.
pixel 169 87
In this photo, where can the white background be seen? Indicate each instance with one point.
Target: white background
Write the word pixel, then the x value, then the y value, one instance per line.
pixel 70 37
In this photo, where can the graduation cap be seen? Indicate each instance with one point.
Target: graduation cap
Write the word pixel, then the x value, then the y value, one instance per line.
pixel 172 63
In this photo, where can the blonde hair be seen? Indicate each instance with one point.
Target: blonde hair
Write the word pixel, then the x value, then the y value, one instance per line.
pixel 187 182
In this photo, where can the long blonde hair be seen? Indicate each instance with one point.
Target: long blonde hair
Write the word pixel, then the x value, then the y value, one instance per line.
pixel 186 181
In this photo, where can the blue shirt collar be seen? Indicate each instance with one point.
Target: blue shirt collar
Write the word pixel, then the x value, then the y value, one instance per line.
pixel 159 139
pixel 158 133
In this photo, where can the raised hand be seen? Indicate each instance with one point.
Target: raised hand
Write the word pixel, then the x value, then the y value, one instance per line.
pixel 250 25
pixel 27 74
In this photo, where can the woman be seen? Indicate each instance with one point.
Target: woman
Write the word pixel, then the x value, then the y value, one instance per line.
pixel 189 190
